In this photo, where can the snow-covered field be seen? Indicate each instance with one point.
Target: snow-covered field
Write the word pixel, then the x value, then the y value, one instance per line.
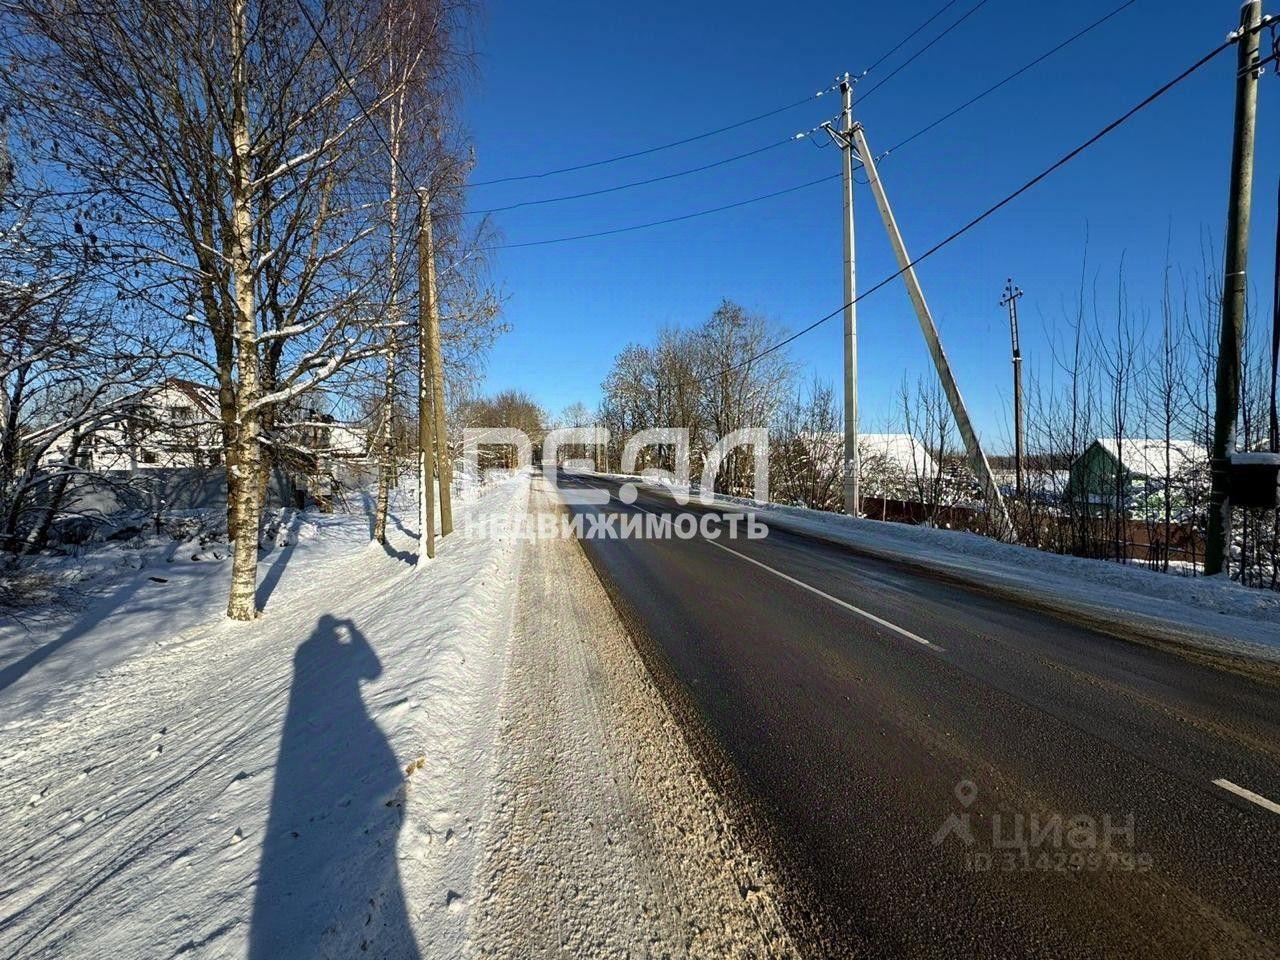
pixel 460 760
pixel 121 597
pixel 307 785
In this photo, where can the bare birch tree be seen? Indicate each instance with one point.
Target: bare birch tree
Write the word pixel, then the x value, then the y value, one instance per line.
pixel 215 146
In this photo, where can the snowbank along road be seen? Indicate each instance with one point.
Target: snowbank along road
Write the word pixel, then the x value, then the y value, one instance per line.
pixel 605 839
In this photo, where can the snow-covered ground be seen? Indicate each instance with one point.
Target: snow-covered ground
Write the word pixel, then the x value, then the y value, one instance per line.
pixel 604 838
pixel 307 785
pixel 462 759
pixel 465 758
pixel 121 597
pixel 1213 614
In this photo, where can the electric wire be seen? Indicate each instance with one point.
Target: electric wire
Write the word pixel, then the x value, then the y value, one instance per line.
pixel 665 220
pixel 648 150
pixel 640 183
pixel 1013 76
pixel 956 234
pixel 910 36
pixel 346 82
pixel 911 59
pixel 898 146
pixel 741 123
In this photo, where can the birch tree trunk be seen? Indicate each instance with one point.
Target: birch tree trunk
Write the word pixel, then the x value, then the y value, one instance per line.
pixel 426 415
pixel 444 468
pixel 248 504
pixel 40 538
pixel 387 454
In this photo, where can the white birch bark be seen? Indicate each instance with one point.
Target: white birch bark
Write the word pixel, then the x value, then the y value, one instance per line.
pixel 242 604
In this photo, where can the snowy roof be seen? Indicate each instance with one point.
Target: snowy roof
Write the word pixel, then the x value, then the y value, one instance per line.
pixel 346 439
pixel 198 394
pixel 1146 457
pixel 900 449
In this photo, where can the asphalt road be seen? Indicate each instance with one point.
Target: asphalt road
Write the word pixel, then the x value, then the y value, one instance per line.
pixel 942 773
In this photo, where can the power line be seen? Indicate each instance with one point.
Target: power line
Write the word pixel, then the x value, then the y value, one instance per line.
pixel 894 49
pixel 911 59
pixel 1017 73
pixel 1065 159
pixel 741 123
pixel 649 150
pixel 342 75
pixel 898 146
pixel 709 166
pixel 658 223
pixel 640 226
pixel 646 181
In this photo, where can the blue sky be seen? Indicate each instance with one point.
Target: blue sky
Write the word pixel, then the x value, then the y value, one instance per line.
pixel 571 82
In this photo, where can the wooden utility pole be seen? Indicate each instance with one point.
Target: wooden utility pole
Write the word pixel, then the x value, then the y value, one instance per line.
pixel 435 370
pixel 1010 299
pixel 844 137
pixel 977 459
pixel 426 406
pixel 1234 290
pixel 1275 334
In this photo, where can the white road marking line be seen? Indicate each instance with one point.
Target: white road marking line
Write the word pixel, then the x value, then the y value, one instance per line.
pixel 826 596
pixel 1249 795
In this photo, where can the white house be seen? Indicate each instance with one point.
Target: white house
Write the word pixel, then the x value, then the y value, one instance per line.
pixel 901 456
pixel 348 441
pixel 175 424
pixel 327 437
pixel 178 424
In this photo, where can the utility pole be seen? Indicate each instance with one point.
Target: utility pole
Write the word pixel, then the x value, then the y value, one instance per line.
pixel 1275 335
pixel 444 469
pixel 977 459
pixel 426 411
pixel 1010 299
pixel 1234 290
pixel 844 137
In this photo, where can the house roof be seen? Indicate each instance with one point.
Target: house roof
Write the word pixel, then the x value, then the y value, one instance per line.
pixel 900 449
pixel 1146 457
pixel 198 393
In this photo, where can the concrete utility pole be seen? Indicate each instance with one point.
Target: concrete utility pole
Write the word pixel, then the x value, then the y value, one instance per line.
pixel 844 137
pixel 977 459
pixel 1234 290
pixel 1010 299
pixel 426 405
